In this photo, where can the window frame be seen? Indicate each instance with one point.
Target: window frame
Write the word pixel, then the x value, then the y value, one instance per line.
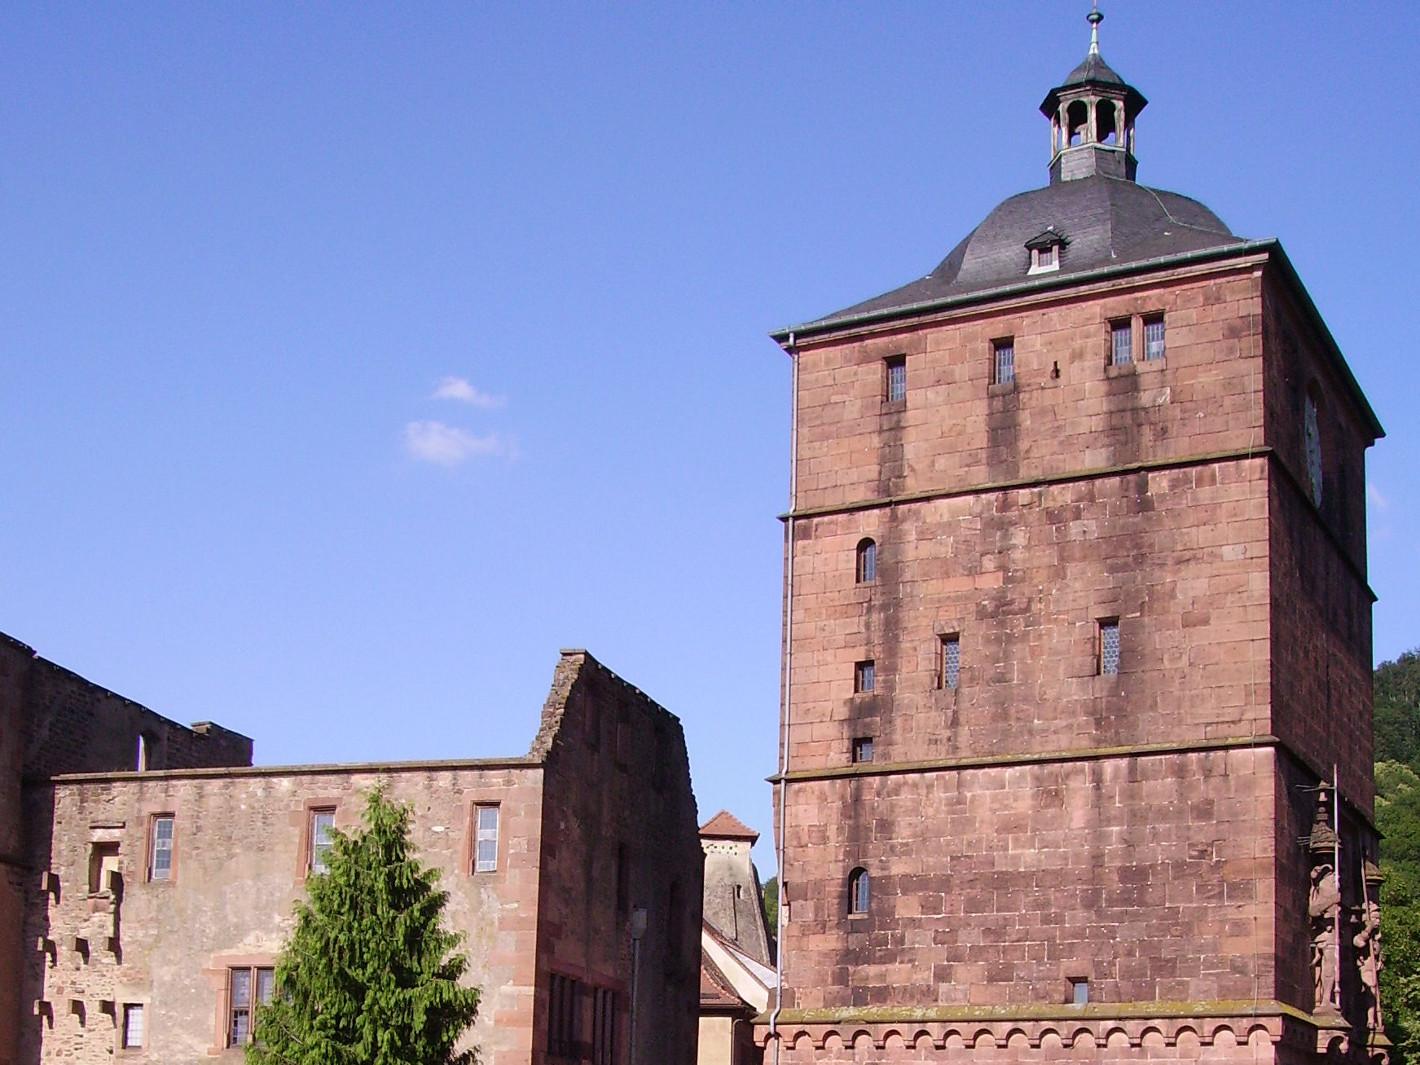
pixel 1076 985
pixel 1121 355
pixel 253 1005
pixel 1146 321
pixel 477 866
pixel 865 561
pixel 948 673
pixel 316 847
pixel 1105 626
pixel 154 838
pixel 125 1026
pixel 860 892
pixel 861 750
pixel 895 380
pixel 865 676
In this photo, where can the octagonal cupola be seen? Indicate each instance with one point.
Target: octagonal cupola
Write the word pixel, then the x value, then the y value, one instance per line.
pixel 1092 118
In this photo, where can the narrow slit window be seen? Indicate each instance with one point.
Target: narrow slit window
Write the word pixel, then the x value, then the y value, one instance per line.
pixel 866 568
pixel 133 1034
pixel 160 861
pixel 896 384
pixel 949 669
pixel 322 822
pixel 859 892
pixel 1109 647
pixel 863 749
pixel 1003 369
pixel 485 859
pixel 1121 342
pixel 1154 338
pixel 865 676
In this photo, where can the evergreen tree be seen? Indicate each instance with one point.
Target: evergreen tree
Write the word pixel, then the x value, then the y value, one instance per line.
pixel 370 976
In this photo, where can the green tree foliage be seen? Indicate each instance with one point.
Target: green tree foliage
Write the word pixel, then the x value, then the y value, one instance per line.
pixel 1397 689
pixel 370 976
pixel 771 905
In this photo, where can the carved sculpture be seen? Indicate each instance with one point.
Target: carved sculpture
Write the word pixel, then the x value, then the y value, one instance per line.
pixel 1324 906
pixel 1367 942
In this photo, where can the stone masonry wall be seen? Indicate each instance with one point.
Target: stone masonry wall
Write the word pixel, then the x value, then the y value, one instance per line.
pixel 618 804
pixel 240 854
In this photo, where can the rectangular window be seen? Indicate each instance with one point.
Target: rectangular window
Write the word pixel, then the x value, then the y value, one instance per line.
pixel 863 749
pixel 562 1027
pixel 133 1035
pixel 604 1027
pixel 1003 371
pixel 864 676
pixel 1079 992
pixel 1154 338
pixel 949 671
pixel 896 387
pixel 322 821
pixel 160 860
pixel 1109 647
pixel 485 852
pixel 248 989
pixel 1121 342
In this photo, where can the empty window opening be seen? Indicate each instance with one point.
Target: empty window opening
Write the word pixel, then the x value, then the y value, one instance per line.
pixel 485 844
pixel 1154 338
pixel 895 388
pixel 859 894
pixel 145 751
pixel 1077 118
pixel 103 868
pixel 248 989
pixel 1079 991
pixel 949 668
pixel 160 857
pixel 1105 132
pixel 132 1026
pixel 865 676
pixel 866 569
pixel 1003 368
pixel 322 822
pixel 1121 342
pixel 863 749
pixel 1109 647
pixel 1311 437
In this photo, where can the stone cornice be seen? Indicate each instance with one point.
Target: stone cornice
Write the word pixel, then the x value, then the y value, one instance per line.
pixel 1097 1011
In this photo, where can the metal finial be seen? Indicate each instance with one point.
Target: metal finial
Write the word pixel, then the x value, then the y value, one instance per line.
pixel 1094 18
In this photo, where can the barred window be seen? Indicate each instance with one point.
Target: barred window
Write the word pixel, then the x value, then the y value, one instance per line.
pixel 859 892
pixel 485 845
pixel 160 858
pixel 1004 361
pixel 866 569
pixel 863 749
pixel 949 669
pixel 896 382
pixel 1154 338
pixel 248 989
pixel 562 1028
pixel 1121 342
pixel 133 1034
pixel 604 1009
pixel 864 676
pixel 1109 647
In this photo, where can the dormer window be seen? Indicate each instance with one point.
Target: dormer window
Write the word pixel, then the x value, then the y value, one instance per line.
pixel 1045 252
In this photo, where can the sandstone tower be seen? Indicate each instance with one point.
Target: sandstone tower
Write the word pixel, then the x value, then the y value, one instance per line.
pixel 1077 714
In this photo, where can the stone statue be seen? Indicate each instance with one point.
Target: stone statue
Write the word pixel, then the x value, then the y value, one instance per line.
pixel 1324 906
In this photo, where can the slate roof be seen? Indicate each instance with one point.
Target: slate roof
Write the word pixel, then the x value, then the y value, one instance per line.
pixel 1093 70
pixel 726 825
pixel 1105 221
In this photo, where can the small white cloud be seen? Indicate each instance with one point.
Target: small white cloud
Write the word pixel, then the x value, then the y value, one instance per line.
pixel 448 445
pixel 458 389
pixel 1379 501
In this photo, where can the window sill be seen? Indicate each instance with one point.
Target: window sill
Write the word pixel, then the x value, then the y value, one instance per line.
pixel 894 406
pixel 1119 369
pixel 1001 388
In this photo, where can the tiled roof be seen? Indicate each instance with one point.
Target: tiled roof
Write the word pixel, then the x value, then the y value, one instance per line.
pixel 715 986
pixel 726 825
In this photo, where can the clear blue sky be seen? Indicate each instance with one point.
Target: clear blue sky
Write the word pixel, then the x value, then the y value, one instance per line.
pixel 354 359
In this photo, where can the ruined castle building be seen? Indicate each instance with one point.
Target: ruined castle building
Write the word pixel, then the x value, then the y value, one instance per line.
pixel 1078 645
pixel 149 873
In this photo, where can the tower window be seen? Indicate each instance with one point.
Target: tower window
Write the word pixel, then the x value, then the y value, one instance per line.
pixel 895 385
pixel 866 569
pixel 1311 438
pixel 864 676
pixel 1108 665
pixel 863 749
pixel 1153 338
pixel 859 895
pixel 1121 342
pixel 485 857
pixel 1003 368
pixel 949 668
pixel 160 857
pixel 1079 991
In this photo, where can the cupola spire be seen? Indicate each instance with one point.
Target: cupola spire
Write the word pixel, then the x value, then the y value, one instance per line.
pixel 1092 117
